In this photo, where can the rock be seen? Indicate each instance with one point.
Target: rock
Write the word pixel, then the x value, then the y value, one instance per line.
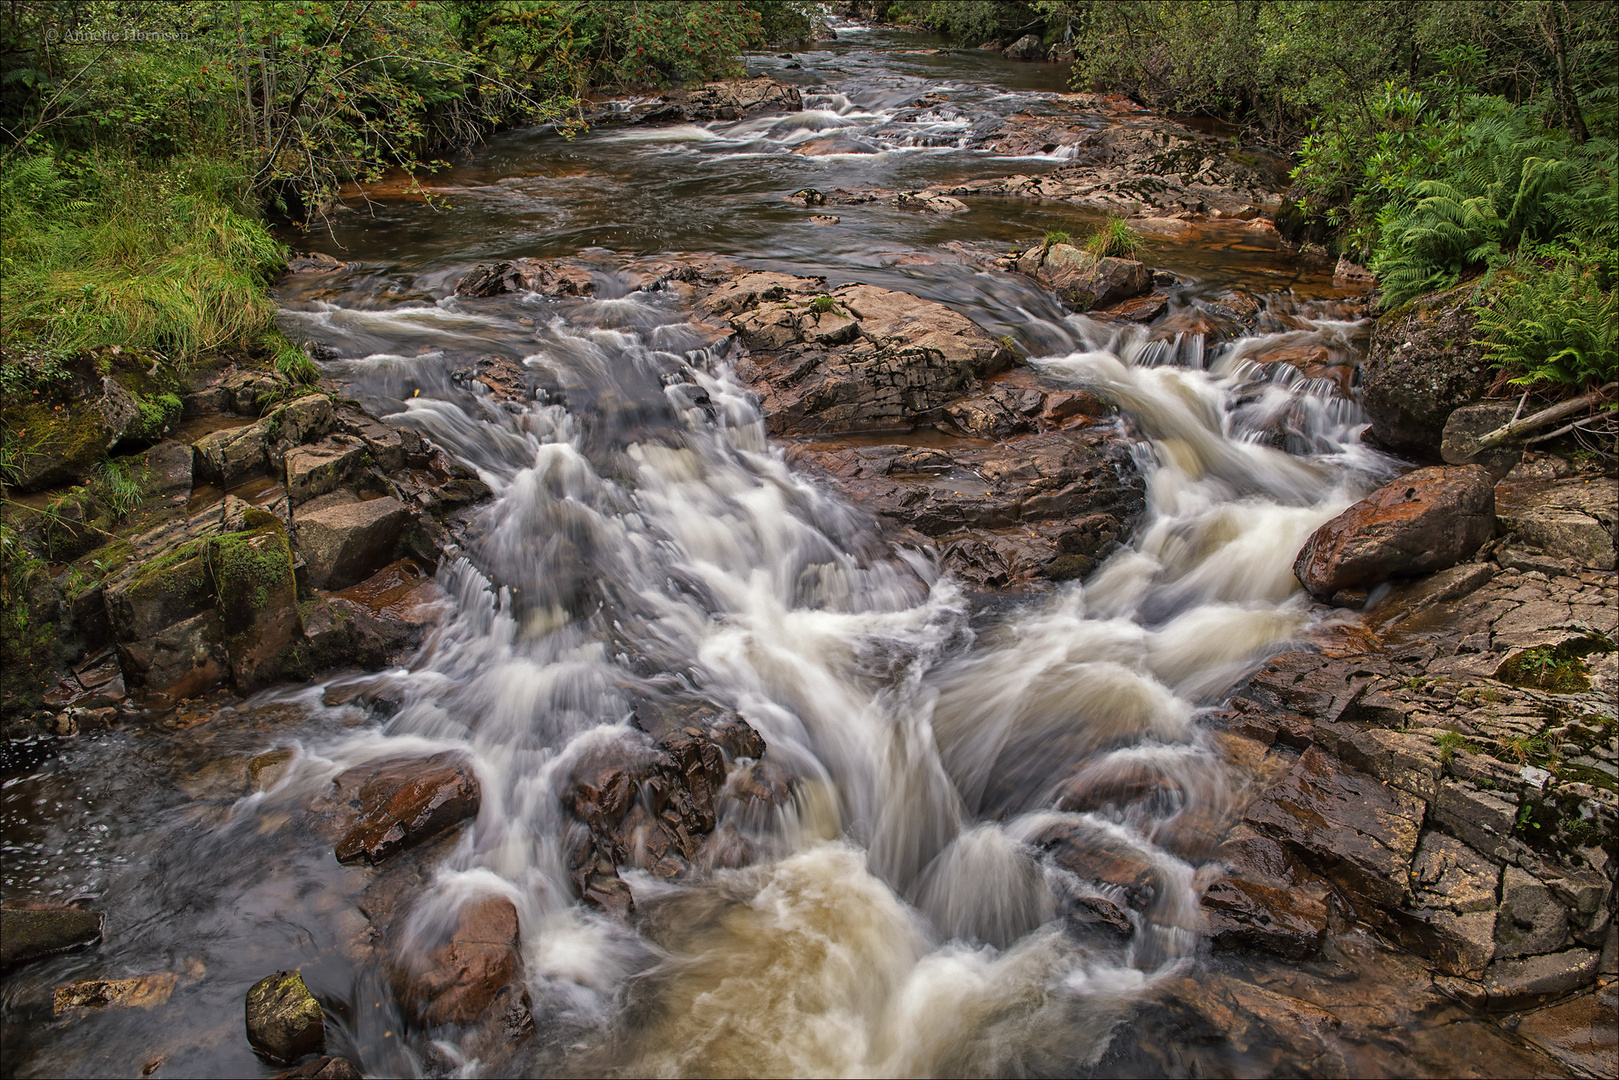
pixel 1243 914
pixel 28 934
pixel 145 992
pixel 1458 444
pixel 313 262
pixel 1481 819
pixel 323 1068
pixel 527 275
pixel 1311 361
pixel 1027 47
pixel 911 356
pixel 168 471
pixel 1574 518
pixel 247 391
pixel 1531 920
pixel 1422 365
pixel 182 660
pixel 1580 1033
pixel 284 1021
pixel 1513 984
pixel 1424 521
pixel 1458 944
pixel 456 981
pixel 345 544
pixel 1356 832
pixel 302 420
pixel 316 470
pixel 258 598
pixel 1350 273
pixel 1449 875
pixel 726 99
pixel 266 770
pixel 1081 279
pixel 932 203
pixel 403 801
pixel 231 455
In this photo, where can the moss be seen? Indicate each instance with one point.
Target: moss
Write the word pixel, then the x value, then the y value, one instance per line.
pixel 253 568
pixel 54 443
pixel 1069 567
pixel 1559 670
pixel 158 414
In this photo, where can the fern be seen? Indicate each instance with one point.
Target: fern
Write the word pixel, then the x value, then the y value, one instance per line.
pixel 1556 323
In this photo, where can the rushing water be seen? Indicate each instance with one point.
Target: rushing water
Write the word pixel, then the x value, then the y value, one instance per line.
pixel 896 916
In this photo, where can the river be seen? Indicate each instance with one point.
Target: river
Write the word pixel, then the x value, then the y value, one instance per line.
pixel 895 915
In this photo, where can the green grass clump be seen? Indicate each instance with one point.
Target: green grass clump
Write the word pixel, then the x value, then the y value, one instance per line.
pixel 1114 239
pixel 162 257
pixel 822 304
pixel 1055 237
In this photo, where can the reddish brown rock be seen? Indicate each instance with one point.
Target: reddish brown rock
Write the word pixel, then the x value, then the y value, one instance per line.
pixel 1355 831
pixel 526 275
pixel 403 801
pixel 1253 915
pixel 1425 521
pixel 1081 279
pixel 456 982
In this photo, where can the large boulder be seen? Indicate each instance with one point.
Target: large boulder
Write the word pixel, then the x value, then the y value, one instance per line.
pixel 347 543
pixel 27 934
pixel 59 437
pixel 284 1021
pixel 1027 47
pixel 858 359
pixel 404 801
pixel 1422 365
pixel 1424 521
pixel 1081 279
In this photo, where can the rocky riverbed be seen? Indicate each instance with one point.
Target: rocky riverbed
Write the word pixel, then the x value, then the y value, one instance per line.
pixel 627 594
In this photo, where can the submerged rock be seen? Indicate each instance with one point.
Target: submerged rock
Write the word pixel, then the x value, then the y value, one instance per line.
pixel 29 934
pixel 403 801
pixel 1424 521
pixel 145 992
pixel 284 1021
pixel 456 980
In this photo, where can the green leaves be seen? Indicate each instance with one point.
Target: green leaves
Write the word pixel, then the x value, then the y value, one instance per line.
pixel 1555 320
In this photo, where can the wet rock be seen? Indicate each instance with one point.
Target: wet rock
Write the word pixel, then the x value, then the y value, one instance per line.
pixel 1448 874
pixel 725 99
pixel 1097 913
pixel 345 544
pixel 401 802
pixel 904 359
pixel 1481 819
pixel 1423 364
pixel 1531 920
pixel 1081 279
pixel 323 1068
pixel 1352 273
pixel 319 469
pixel 1513 984
pixel 258 598
pixel 1311 362
pixel 284 1021
pixel 1242 914
pixel 248 389
pixel 145 992
pixel 1580 1033
pixel 456 981
pixel 168 471
pixel 1027 47
pixel 931 203
pixel 313 262
pixel 231 455
pixel 527 275
pixel 302 420
pixel 1355 831
pixel 28 934
pixel 1459 442
pixel 266 770
pixel 1424 521
pixel 1454 921
pixel 1574 518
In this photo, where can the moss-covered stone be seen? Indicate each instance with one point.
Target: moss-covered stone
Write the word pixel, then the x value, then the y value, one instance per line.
pixel 258 599
pixel 284 1021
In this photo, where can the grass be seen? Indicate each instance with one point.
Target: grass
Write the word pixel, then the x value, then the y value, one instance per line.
pixel 1114 239
pixel 138 256
pixel 1055 237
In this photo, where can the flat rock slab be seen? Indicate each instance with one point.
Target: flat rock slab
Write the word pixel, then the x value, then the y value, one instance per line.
pixel 403 801
pixel 1359 833
pixel 145 992
pixel 1581 1033
pixel 1513 984
pixel 456 981
pixel 1573 519
pixel 28 935
pixel 1424 521
pixel 1254 915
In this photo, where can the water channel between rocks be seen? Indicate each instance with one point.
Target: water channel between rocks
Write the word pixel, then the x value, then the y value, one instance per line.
pixel 649 548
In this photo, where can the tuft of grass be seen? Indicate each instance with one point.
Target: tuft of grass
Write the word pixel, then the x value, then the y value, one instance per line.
pixel 1114 239
pixel 1055 237
pixel 164 257
pixel 1449 742
pixel 822 304
pixel 116 486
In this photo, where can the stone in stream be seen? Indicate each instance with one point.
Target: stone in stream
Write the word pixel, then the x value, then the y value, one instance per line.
pixel 345 544
pixel 323 1068
pixel 1084 281
pixel 403 801
pixel 29 933
pixel 145 992
pixel 457 979
pixel 284 1021
pixel 1424 521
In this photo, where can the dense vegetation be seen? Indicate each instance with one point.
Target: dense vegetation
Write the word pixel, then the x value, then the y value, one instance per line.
pixel 1437 140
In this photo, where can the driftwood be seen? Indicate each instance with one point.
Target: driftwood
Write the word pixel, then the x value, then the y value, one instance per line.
pixel 1519 428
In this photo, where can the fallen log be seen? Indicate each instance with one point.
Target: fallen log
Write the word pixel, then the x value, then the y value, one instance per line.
pixel 1519 428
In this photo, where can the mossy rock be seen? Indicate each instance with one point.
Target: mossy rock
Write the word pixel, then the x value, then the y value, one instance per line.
pixel 55 444
pixel 258 601
pixel 171 588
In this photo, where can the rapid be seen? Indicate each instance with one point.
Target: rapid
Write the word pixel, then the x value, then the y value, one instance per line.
pixel 648 547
